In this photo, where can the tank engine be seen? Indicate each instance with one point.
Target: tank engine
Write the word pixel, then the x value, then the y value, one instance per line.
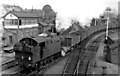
pixel 36 52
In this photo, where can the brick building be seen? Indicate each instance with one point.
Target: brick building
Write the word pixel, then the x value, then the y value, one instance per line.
pixel 19 24
pixel 27 23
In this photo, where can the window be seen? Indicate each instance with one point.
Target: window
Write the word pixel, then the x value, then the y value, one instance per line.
pixel 20 22
pixel 16 22
pixel 11 21
pixel 26 21
pixel 23 22
pixel 35 20
pixel 10 39
pixel 31 34
pixel 8 21
pixel 32 21
pixel 29 21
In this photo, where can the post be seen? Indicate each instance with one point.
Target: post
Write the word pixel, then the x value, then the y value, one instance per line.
pixel 95 22
pixel 107 28
pixel 66 42
pixel 43 29
pixel 3 25
pixel 18 31
pixel 104 70
pixel 107 12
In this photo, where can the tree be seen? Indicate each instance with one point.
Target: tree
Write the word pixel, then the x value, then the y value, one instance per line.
pixel 49 17
pixel 49 14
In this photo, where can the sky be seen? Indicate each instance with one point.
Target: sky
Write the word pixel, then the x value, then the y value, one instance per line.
pixel 81 10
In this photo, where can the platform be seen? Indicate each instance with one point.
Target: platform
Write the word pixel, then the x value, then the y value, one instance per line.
pixel 100 63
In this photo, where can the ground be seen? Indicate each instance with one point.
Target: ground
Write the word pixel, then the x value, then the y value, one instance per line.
pixel 100 62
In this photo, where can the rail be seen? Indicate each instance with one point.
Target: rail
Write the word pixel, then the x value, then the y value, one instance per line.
pixel 73 58
pixel 8 65
pixel 85 60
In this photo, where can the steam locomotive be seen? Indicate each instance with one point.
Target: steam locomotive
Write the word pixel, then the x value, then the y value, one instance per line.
pixel 32 53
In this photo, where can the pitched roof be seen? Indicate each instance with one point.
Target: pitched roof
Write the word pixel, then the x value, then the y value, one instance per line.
pixel 74 29
pixel 67 31
pixel 40 39
pixel 26 13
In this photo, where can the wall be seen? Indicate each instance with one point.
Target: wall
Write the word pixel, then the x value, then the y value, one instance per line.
pixel 6 35
pixel 22 33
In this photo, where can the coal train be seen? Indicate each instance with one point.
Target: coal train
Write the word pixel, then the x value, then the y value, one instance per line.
pixel 32 53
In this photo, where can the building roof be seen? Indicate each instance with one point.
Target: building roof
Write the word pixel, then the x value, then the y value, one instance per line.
pixel 40 39
pixel 26 13
pixel 74 29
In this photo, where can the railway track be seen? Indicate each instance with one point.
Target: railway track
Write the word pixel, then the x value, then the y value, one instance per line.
pixel 73 59
pixel 79 60
pixel 85 60
pixel 8 65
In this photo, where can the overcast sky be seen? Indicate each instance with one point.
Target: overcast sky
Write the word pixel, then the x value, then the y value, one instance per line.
pixel 83 10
